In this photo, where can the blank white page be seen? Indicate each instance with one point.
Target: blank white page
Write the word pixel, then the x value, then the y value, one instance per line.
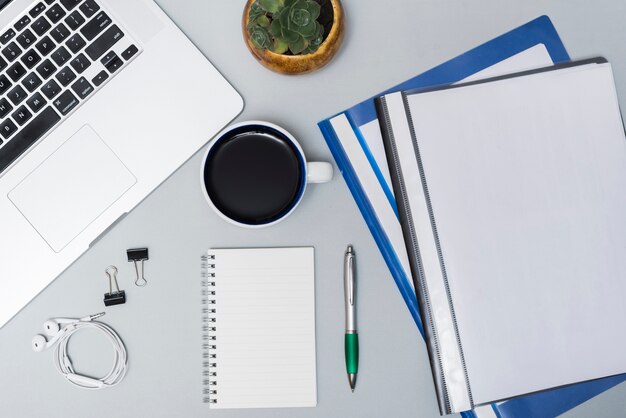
pixel 527 180
pixel 265 328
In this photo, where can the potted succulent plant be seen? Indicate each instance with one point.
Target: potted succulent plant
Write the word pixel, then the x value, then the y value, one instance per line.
pixel 293 36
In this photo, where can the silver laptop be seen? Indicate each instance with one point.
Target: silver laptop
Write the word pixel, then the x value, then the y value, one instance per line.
pixel 100 101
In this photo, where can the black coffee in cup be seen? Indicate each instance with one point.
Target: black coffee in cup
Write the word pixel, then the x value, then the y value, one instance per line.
pixel 254 175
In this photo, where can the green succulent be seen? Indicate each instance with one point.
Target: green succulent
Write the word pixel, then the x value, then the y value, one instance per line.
pixel 286 25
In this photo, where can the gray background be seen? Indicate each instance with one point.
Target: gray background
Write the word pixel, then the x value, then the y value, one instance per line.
pixel 386 43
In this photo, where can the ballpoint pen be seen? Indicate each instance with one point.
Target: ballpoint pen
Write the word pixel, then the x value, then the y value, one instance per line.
pixel 351 338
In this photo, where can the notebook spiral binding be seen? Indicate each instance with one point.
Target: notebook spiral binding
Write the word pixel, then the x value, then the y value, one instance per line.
pixel 209 356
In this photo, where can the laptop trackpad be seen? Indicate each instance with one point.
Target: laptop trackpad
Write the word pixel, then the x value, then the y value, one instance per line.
pixel 71 188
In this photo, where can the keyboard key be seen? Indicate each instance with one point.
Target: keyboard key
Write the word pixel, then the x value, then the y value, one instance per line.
pixel 16 71
pixel 5 84
pixel 36 102
pixel 74 20
pixel 89 8
pixel 36 11
pixel 5 107
pixel 29 134
pixel 100 78
pixel 108 58
pixel 50 1
pixel 17 95
pixel 22 23
pixel 22 115
pixel 31 82
pixel 45 46
pixel 51 89
pixel 7 129
pixel 70 4
pixel 80 63
pixel 82 88
pixel 130 52
pixel 26 38
pixel 3 64
pixel 115 64
pixel 66 102
pixel 76 43
pixel 104 42
pixel 12 51
pixel 55 13
pixel 31 58
pixel 61 55
pixel 96 26
pixel 7 36
pixel 65 76
pixel 60 33
pixel 41 26
pixel 46 69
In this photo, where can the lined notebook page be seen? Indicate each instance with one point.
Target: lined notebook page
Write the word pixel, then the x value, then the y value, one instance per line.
pixel 265 328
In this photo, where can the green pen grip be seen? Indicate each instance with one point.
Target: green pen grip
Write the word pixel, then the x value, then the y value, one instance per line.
pixel 352 353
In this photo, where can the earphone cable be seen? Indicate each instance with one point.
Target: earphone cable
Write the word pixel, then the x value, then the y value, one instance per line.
pixel 64 365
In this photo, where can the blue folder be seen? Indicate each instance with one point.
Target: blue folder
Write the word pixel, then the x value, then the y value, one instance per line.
pixel 539 31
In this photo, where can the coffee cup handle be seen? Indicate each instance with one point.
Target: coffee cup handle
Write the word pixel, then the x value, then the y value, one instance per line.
pixel 319 172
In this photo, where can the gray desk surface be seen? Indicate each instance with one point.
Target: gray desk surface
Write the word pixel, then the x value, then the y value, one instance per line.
pixel 386 42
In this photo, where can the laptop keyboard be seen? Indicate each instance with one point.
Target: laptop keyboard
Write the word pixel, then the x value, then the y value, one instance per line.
pixel 52 59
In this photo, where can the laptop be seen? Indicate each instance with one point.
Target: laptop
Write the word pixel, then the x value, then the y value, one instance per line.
pixel 100 101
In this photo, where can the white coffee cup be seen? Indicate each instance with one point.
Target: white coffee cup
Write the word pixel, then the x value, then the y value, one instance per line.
pixel 254 174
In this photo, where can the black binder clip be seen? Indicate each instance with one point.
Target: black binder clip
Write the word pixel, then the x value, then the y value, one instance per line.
pixel 118 296
pixel 135 255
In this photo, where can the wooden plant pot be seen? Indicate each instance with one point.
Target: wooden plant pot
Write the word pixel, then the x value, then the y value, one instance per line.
pixel 300 64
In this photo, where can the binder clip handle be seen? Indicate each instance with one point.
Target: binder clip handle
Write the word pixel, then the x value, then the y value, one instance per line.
pixel 137 255
pixel 115 295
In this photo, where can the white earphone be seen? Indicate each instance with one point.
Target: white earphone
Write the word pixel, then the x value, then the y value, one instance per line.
pixel 53 328
pixel 40 343
pixel 61 329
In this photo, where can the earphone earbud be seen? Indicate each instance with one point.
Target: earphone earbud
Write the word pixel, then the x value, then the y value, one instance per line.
pixel 53 326
pixel 40 343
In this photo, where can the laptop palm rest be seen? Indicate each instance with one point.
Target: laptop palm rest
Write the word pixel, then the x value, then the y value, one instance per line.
pixel 71 188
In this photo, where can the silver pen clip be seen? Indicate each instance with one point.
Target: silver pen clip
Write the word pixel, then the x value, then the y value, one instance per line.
pixel 349 286
pixel 350 265
pixel 351 282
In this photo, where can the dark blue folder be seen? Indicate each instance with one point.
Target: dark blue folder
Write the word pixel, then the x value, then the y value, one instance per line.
pixel 539 31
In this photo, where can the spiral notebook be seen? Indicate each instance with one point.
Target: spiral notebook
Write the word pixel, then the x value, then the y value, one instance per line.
pixel 259 328
pixel 511 193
